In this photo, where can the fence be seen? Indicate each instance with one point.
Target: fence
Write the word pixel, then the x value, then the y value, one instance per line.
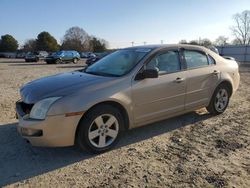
pixel 240 53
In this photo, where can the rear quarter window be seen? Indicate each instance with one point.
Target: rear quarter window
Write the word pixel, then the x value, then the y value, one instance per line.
pixel 211 60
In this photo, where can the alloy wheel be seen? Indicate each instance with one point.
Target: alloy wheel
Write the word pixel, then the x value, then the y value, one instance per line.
pixel 221 100
pixel 103 130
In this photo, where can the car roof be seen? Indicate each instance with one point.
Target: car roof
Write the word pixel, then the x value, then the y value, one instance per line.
pixel 162 46
pixel 67 51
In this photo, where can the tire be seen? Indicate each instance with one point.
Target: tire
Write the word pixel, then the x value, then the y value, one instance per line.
pixel 58 61
pixel 74 61
pixel 220 100
pixel 100 129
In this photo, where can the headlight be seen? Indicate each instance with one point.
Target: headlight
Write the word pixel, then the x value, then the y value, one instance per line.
pixel 40 109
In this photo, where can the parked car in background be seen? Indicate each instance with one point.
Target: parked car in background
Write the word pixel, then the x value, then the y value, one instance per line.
pixel 214 49
pixel 97 57
pixel 2 55
pixel 20 55
pixel 63 57
pixel 36 56
pixel 229 58
pixel 129 88
pixel 8 54
pixel 87 55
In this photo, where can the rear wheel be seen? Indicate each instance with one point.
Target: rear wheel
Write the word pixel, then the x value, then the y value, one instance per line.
pixel 100 129
pixel 220 100
pixel 74 60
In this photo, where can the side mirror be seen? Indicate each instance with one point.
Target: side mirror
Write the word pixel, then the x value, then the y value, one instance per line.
pixel 148 73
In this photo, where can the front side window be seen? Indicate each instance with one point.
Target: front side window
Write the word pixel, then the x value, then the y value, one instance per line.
pixel 167 62
pixel 195 59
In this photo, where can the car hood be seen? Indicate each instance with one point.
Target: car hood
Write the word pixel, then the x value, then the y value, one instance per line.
pixel 59 85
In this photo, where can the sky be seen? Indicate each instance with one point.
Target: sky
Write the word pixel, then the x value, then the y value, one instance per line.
pixel 121 21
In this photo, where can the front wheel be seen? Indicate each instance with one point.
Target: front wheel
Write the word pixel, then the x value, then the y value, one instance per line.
pixel 58 61
pixel 100 129
pixel 219 101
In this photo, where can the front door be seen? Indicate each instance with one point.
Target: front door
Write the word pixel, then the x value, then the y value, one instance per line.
pixel 156 98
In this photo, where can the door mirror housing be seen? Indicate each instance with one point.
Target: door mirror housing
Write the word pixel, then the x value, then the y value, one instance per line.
pixel 147 73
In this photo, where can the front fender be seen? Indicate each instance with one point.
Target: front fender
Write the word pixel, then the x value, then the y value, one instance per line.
pixel 84 99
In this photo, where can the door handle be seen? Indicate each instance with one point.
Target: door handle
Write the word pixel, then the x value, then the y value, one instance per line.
pixel 179 80
pixel 216 72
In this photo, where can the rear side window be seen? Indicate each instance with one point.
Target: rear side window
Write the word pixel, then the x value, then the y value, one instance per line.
pixel 195 59
pixel 68 54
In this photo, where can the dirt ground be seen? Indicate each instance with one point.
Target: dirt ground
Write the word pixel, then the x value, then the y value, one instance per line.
pixel 193 150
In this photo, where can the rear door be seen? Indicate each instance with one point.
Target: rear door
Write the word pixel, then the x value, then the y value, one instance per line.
pixel 202 78
pixel 67 56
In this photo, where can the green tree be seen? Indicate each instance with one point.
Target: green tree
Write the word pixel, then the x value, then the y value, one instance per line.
pixel 8 43
pixel 205 42
pixel 29 45
pixel 46 42
pixel 76 38
pixel 98 45
pixel 194 42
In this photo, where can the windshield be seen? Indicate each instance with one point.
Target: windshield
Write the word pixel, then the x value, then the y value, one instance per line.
pixel 118 63
pixel 29 53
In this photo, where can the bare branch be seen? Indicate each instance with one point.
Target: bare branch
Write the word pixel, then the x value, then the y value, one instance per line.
pixel 241 29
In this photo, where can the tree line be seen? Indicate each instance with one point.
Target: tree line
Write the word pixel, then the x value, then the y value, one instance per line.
pixel 75 38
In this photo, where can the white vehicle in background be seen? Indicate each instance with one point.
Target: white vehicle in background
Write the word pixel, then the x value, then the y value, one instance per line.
pixel 36 56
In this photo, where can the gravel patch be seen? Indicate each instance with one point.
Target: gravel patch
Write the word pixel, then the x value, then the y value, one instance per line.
pixel 193 150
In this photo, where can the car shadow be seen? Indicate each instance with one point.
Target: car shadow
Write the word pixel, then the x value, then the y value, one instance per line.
pixel 20 161
pixel 38 64
pixel 11 61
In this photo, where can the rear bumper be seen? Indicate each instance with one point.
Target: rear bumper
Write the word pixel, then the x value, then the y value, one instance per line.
pixel 54 131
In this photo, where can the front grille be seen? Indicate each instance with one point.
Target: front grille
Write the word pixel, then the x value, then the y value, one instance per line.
pixel 26 107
